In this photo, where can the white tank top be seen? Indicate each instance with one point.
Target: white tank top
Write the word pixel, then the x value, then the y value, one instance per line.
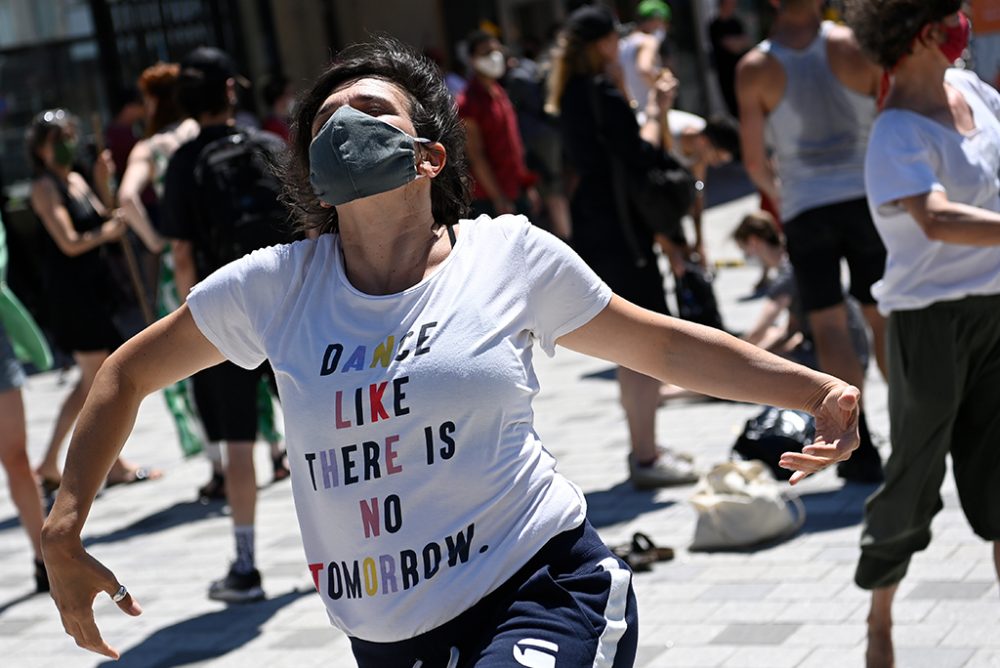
pixel 819 130
pixel 628 52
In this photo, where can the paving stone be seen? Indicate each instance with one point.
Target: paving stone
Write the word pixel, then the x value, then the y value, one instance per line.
pixel 766 657
pixel 828 635
pixel 933 657
pixel 693 657
pixel 828 657
pixel 733 592
pixel 754 634
pixel 950 590
pixel 984 658
pixel 966 634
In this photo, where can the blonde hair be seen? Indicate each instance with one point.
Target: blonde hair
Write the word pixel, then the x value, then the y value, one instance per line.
pixel 571 57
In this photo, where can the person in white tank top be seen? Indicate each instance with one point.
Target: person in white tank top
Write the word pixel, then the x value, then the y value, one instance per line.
pixel 639 51
pixel 807 102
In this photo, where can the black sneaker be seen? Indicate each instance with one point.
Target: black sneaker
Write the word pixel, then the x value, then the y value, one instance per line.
pixel 237 588
pixel 41 577
pixel 214 489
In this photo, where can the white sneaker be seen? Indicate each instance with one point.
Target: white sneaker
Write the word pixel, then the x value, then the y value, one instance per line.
pixel 670 468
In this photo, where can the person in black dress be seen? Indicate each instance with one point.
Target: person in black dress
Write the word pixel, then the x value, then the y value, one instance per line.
pixel 596 118
pixel 77 280
pixel 729 42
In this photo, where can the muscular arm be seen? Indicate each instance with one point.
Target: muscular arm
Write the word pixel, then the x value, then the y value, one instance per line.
pixel 137 176
pixel 950 222
pixel 751 79
pixel 46 202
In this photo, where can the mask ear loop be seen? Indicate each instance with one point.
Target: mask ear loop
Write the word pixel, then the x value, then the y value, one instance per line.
pixel 450 227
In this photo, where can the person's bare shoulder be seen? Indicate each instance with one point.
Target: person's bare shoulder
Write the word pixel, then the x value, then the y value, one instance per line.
pixel 760 76
pixel 850 63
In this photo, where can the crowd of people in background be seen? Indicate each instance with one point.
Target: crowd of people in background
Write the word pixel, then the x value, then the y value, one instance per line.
pixel 557 132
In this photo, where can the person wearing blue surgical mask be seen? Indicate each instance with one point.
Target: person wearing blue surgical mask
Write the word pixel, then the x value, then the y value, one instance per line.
pixel 436 528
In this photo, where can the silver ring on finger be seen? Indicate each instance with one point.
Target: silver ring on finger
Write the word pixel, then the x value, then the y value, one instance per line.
pixel 120 594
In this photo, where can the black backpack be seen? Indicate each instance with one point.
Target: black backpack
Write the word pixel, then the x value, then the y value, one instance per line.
pixel 696 298
pixel 238 196
pixel 772 433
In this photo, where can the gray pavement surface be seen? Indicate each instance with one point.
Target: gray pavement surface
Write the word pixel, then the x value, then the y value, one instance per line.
pixel 786 604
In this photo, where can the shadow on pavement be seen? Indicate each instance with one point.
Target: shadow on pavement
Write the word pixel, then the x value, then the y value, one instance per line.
pixel 621 503
pixel 205 637
pixel 836 509
pixel 23 598
pixel 726 183
pixel 185 512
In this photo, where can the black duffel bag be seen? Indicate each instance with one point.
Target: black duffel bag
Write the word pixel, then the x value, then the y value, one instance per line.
pixel 772 433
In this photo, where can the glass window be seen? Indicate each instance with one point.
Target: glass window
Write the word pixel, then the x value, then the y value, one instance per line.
pixel 30 21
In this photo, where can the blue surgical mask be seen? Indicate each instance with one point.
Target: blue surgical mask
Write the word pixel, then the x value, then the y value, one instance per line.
pixel 355 155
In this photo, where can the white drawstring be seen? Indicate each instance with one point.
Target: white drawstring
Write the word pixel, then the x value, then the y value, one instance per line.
pixel 452 659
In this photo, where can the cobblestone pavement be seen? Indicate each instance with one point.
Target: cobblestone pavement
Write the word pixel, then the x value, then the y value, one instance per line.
pixel 790 604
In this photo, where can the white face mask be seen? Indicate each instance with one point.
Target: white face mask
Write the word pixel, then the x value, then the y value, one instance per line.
pixel 660 34
pixel 492 65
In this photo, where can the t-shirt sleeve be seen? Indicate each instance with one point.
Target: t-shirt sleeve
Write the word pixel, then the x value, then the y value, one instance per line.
pixel 899 163
pixel 986 92
pixel 563 293
pixel 234 306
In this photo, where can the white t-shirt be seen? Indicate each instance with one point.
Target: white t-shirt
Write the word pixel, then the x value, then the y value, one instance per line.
pixel 419 482
pixel 910 154
pixel 683 123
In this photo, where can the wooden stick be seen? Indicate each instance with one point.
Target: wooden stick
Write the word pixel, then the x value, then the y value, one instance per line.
pixel 130 260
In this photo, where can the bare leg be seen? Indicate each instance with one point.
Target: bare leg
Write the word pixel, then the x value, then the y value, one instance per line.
pixel 558 207
pixel 640 396
pixel 877 323
pixel 241 482
pixel 837 356
pixel 880 652
pixel 88 364
pixel 14 457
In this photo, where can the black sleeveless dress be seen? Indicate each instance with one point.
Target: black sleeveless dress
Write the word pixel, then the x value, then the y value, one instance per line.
pixel 80 291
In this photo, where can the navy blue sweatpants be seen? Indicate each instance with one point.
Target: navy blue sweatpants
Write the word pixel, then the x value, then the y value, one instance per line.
pixel 571 606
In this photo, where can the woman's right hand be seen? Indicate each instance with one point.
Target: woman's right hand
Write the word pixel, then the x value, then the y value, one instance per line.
pixel 76 578
pixel 665 90
pixel 113 229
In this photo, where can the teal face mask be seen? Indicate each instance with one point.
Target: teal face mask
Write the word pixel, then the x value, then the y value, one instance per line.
pixel 64 152
pixel 355 155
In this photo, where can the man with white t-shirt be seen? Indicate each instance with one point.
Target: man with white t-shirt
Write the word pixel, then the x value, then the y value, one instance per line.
pixel 698 144
pixel 807 94
pixel 932 176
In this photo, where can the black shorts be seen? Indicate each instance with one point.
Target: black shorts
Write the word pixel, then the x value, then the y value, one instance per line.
pixel 226 397
pixel 817 241
pixel 573 602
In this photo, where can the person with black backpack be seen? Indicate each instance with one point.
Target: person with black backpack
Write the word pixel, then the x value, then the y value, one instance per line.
pixel 220 202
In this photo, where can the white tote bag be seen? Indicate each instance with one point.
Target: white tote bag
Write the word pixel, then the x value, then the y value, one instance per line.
pixel 739 504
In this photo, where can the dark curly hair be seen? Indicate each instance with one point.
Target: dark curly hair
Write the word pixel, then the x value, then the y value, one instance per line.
pixel 432 110
pixel 886 28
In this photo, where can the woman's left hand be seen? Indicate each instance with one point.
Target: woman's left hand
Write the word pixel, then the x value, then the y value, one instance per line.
pixel 836 437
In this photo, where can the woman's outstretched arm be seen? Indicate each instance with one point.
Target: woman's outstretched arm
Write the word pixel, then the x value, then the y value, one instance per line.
pixel 168 351
pixel 715 363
